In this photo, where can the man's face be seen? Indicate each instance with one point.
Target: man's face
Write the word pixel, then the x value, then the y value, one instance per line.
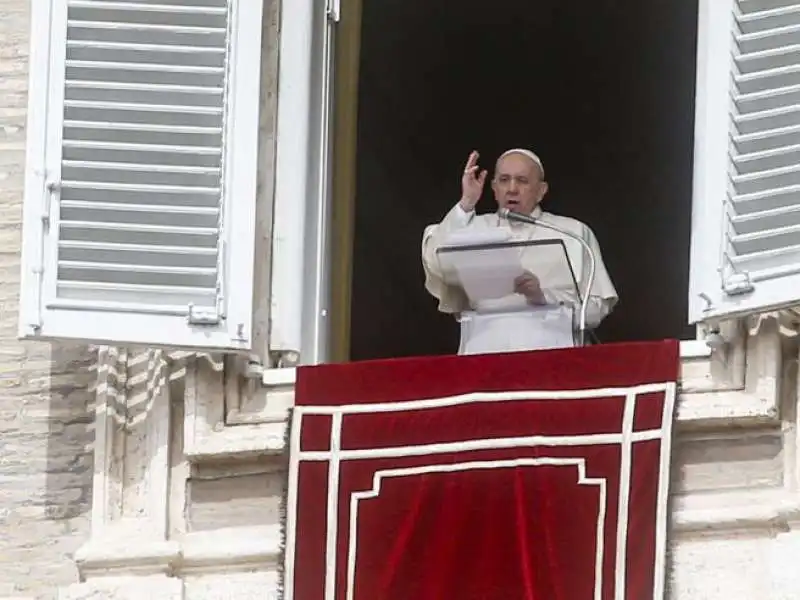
pixel 518 184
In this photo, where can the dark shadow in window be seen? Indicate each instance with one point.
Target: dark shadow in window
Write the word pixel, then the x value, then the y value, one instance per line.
pixel 603 91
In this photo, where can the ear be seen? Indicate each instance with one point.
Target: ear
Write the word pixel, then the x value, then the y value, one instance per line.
pixel 543 190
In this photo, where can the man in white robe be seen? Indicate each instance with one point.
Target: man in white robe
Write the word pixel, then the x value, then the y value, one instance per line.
pixel 543 293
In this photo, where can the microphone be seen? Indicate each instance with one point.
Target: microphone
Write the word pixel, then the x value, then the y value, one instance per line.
pixel 510 215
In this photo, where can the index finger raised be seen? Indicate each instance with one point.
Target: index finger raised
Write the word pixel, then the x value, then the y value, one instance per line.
pixel 472 160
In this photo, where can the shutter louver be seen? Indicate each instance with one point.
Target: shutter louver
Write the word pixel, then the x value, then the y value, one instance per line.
pixel 765 192
pixel 150 105
pixel 141 171
pixel 759 260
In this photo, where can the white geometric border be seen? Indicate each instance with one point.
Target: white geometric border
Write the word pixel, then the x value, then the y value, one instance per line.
pixel 625 438
pixel 379 476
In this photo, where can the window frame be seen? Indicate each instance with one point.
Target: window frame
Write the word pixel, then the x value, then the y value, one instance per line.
pixel 293 178
pixel 303 73
pixel 710 171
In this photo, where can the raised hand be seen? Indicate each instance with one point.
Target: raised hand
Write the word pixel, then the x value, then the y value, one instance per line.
pixel 472 183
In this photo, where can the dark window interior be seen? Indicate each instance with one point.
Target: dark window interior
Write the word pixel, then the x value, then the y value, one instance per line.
pixel 603 91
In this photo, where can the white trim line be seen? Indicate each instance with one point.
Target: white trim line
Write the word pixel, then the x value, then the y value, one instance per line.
pixel 626 447
pixel 474 397
pixel 332 518
pixel 291 507
pixel 489 444
pixel 378 477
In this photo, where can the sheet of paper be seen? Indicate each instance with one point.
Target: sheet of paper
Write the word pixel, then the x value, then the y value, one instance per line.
pixel 534 329
pixel 483 271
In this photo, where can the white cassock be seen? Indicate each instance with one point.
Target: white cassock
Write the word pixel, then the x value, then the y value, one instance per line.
pixel 518 326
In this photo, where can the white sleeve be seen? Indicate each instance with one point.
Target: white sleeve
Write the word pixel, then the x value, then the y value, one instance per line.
pixel 602 297
pixel 597 308
pixel 451 298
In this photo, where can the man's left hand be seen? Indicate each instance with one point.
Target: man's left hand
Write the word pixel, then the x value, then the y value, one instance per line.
pixel 527 284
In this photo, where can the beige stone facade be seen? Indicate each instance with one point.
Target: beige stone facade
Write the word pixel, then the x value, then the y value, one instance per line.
pixel 46 399
pixel 113 489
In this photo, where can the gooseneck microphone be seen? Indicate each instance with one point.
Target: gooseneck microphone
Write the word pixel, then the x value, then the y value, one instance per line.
pixel 510 215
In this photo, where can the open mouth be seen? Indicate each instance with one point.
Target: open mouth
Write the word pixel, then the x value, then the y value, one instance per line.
pixel 512 204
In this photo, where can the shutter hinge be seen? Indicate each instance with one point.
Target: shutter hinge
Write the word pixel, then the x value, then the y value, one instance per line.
pixel 334 10
pixel 284 359
pixel 202 316
pixel 51 188
pixel 254 369
pixel 718 343
pixel 737 284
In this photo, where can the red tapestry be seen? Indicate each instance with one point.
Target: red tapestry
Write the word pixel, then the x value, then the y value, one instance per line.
pixel 526 476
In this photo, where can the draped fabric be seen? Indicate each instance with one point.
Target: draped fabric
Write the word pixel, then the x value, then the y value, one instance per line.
pixel 130 380
pixel 530 476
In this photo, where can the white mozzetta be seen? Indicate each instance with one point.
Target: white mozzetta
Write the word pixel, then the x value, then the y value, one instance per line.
pixel 141 173
pixel 746 205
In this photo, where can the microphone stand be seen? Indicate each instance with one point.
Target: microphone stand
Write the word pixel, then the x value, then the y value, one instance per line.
pixel 511 215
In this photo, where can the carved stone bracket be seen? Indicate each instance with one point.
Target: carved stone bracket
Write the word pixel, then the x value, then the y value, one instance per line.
pixel 764 408
pixel 229 416
pixel 738 384
pixel 250 401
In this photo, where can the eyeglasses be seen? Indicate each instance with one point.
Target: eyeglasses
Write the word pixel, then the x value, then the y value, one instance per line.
pixel 507 179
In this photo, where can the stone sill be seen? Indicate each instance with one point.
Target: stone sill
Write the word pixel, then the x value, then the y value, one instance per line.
pixel 698 406
pixel 228 549
pixel 707 513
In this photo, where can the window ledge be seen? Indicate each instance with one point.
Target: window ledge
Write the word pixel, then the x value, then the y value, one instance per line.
pixel 285 377
pixel 725 511
pixel 279 377
pixel 694 349
pixel 704 401
pixel 256 547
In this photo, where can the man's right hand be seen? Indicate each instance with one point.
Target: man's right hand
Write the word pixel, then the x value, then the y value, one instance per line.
pixel 472 183
pixel 528 285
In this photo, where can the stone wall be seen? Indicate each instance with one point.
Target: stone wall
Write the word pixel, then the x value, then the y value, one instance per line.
pixel 184 510
pixel 46 416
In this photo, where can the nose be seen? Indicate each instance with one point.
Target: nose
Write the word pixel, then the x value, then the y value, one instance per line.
pixel 512 186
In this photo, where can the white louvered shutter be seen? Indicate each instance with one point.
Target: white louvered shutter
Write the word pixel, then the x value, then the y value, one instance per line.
pixel 140 197
pixel 748 159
